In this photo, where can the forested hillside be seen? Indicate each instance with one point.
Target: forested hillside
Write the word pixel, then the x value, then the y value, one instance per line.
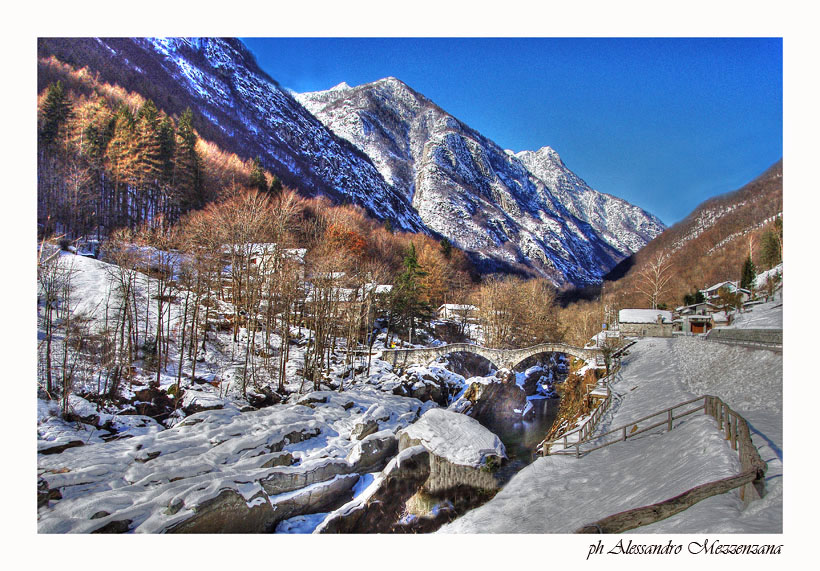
pixel 708 246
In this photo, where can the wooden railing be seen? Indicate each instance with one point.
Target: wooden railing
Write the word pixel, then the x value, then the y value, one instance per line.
pixel 584 431
pixel 749 480
pixel 588 443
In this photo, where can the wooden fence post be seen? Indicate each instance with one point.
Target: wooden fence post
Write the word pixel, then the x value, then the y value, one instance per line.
pixel 734 440
pixel 728 427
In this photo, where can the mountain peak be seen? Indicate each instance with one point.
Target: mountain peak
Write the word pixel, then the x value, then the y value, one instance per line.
pixel 340 87
pixel 545 152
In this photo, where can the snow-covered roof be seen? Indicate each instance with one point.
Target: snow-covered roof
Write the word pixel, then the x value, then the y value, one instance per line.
pixel 717 286
pixel 457 307
pixel 644 315
pixel 732 286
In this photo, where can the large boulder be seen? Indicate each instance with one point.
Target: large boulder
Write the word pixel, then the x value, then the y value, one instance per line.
pixel 230 512
pixel 498 402
pixel 309 472
pixel 369 422
pixel 380 506
pixel 373 452
pixel 463 453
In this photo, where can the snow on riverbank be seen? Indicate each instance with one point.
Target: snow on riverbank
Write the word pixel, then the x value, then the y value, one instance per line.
pixel 140 479
pixel 558 494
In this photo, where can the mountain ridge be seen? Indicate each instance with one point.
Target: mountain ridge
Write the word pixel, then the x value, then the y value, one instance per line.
pixel 418 146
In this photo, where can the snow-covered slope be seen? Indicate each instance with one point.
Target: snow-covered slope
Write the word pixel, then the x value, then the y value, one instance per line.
pixel 526 210
pixel 559 494
pixel 625 226
pixel 248 112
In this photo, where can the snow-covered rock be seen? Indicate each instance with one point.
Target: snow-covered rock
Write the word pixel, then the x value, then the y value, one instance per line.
pixel 454 437
pixel 153 482
pixel 376 508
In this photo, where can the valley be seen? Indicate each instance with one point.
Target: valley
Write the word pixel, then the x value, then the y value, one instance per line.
pixel 348 311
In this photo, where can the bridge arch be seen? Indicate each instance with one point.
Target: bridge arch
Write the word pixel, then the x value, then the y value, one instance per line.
pixel 501 358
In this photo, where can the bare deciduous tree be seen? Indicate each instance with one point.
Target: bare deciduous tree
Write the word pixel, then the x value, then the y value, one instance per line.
pixel 654 277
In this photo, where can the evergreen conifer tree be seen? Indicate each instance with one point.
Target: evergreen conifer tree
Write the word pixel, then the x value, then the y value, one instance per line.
pixel 409 290
pixel 55 114
pixel 187 166
pixel 748 273
pixel 275 186
pixel 446 247
pixel 257 177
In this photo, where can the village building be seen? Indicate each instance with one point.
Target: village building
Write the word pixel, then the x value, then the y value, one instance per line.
pixel 712 293
pixel 645 323
pixel 457 312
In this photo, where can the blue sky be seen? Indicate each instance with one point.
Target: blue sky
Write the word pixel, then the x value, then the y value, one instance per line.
pixel 662 123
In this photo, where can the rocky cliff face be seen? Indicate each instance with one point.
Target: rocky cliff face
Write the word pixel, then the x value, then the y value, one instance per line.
pixel 525 212
pixel 624 226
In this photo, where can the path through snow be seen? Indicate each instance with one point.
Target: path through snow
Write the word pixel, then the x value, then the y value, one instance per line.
pixel 559 494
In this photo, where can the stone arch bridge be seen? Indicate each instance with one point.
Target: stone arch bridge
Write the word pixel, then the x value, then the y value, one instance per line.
pixel 501 358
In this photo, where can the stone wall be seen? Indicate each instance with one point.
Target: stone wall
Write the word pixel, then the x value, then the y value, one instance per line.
pixel 646 329
pixel 752 336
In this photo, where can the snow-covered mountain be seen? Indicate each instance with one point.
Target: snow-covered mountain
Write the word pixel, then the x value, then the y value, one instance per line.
pixel 386 148
pixel 625 226
pixel 523 211
pixel 241 109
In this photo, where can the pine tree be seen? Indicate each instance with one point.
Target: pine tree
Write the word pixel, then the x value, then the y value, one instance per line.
pixel 54 114
pixel 167 143
pixel 257 177
pixel 446 247
pixel 121 161
pixel 275 186
pixel 748 273
pixel 187 179
pixel 409 300
pixel 149 146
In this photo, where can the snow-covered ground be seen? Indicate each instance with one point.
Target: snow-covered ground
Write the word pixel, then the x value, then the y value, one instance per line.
pixel 559 494
pixel 767 315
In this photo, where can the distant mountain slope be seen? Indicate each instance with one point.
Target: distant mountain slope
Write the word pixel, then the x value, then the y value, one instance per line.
pixel 243 110
pixel 625 226
pixel 527 210
pixel 387 149
pixel 710 244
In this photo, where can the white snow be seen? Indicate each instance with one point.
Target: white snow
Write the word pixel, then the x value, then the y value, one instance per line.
pixel 207 452
pixel 455 437
pixel 558 494
pixel 643 315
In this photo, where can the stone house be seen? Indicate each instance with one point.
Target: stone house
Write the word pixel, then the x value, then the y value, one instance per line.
pixel 457 312
pixel 645 323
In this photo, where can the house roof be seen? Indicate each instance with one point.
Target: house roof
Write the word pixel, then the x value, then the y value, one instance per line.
pixel 644 315
pixel 457 307
pixel 695 306
pixel 731 285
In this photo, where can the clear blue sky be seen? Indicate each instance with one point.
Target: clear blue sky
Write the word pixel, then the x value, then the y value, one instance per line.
pixel 662 123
